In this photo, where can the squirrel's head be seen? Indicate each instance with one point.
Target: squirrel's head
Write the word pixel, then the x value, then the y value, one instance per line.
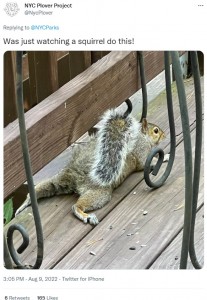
pixel 153 131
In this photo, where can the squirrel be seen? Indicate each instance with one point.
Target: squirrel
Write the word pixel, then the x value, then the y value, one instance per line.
pixel 117 149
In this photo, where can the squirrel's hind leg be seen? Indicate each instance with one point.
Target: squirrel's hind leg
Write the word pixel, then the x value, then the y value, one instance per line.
pixel 91 200
pixel 58 185
pixel 43 189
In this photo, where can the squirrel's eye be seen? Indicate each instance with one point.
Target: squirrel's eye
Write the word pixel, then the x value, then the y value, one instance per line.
pixel 156 130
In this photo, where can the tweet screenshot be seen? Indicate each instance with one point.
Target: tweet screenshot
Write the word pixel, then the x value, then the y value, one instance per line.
pixel 102 107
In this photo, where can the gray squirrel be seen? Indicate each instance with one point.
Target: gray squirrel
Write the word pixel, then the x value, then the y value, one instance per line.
pixel 119 148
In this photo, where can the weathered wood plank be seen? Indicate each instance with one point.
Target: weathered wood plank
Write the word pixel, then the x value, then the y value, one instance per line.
pixel 170 257
pixel 79 61
pixel 10 113
pixel 43 74
pixel 60 54
pixel 96 55
pixel 9 87
pixel 72 64
pixel 126 226
pixel 63 70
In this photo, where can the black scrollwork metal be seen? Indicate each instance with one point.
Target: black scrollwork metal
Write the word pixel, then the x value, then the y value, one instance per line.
pixel 188 158
pixel 198 149
pixel 140 62
pixel 191 180
pixel 26 157
pixel 7 257
pixel 157 151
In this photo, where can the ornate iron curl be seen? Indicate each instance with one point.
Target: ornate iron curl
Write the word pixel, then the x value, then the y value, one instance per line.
pixel 26 157
pixel 188 159
pixel 157 151
pixel 198 149
pixel 140 62
pixel 7 257
pixel 10 244
pixel 191 179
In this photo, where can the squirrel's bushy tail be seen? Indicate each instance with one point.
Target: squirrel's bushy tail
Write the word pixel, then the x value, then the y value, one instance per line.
pixel 115 139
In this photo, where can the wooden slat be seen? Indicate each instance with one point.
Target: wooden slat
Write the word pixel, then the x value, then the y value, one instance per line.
pixel 28 103
pixel 170 257
pixel 60 54
pixel 62 231
pixel 96 55
pixel 79 61
pixel 152 59
pixel 42 74
pixel 72 64
pixel 63 70
pixel 9 87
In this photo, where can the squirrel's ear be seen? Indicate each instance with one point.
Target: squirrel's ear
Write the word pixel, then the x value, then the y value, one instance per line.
pixel 144 125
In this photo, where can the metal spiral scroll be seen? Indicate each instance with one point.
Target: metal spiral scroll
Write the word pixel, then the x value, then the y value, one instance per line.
pixel 157 151
pixel 198 149
pixel 9 246
pixel 191 179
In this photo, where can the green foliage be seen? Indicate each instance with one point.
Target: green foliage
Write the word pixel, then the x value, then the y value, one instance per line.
pixel 8 211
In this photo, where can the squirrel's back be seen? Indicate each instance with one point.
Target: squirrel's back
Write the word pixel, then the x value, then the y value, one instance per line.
pixel 115 140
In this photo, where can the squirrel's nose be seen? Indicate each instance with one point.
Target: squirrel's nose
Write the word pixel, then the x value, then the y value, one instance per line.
pixel 163 136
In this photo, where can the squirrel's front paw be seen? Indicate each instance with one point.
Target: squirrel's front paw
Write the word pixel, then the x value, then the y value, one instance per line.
pixel 86 218
pixel 166 157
